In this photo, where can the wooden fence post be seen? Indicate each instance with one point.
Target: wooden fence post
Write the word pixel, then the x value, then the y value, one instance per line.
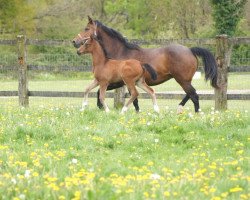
pixel 22 72
pixel 119 97
pixel 223 53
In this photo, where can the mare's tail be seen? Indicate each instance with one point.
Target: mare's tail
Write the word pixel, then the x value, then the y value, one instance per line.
pixel 150 70
pixel 210 65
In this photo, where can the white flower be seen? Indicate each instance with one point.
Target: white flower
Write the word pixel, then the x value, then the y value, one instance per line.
pixel 22 196
pixel 148 124
pixel 27 174
pixel 190 115
pixel 13 181
pixel 156 140
pixel 155 176
pixel 74 161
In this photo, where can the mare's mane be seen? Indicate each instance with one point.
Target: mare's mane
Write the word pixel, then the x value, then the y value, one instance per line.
pixel 102 46
pixel 115 34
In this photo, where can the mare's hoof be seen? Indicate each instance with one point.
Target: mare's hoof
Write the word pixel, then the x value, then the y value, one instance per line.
pixel 180 109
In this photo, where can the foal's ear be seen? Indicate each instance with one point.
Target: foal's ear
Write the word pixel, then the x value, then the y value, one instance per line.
pixel 90 20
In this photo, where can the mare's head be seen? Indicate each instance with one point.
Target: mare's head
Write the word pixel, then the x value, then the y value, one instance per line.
pixel 89 31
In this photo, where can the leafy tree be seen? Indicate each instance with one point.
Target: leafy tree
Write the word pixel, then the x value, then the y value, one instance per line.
pixel 227 14
pixel 17 16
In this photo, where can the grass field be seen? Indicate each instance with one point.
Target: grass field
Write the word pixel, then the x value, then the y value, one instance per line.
pixel 53 151
pixel 78 82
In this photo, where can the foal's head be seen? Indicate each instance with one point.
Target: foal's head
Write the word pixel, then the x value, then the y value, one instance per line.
pixel 86 46
pixel 88 31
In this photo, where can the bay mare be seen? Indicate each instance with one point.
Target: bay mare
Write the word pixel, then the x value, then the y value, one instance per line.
pixel 107 71
pixel 174 61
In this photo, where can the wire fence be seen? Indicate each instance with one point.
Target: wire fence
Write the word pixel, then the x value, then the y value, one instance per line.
pixel 56 66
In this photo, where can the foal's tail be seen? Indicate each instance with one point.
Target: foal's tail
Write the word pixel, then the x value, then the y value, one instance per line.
pixel 210 65
pixel 150 70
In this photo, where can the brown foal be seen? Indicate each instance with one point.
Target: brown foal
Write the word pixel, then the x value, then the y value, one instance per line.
pixel 107 71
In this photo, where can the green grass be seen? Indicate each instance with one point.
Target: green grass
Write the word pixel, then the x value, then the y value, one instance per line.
pixel 78 82
pixel 53 151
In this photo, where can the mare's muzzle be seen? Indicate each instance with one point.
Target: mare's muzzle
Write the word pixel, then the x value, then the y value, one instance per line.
pixel 76 43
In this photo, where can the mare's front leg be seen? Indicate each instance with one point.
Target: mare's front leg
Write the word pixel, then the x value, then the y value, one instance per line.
pixel 87 91
pixel 103 89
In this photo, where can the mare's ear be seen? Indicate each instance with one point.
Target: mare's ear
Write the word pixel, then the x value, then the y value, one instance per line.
pixel 90 20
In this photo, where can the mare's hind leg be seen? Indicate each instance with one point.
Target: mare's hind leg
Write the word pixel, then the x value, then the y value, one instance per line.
pixel 136 105
pixel 182 103
pixel 143 85
pixel 191 92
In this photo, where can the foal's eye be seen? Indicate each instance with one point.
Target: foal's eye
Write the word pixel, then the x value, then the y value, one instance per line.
pixel 86 29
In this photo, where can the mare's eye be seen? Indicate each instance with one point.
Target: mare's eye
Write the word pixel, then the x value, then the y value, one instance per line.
pixel 86 29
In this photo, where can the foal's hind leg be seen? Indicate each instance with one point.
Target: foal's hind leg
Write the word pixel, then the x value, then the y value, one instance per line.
pixel 142 84
pixel 111 87
pixel 103 88
pixel 134 94
pixel 191 92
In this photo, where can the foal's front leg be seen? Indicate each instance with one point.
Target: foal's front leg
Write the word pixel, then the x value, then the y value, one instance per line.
pixel 87 90
pixel 103 89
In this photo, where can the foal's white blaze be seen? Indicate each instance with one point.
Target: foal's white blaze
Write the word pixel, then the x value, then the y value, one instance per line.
pixel 156 108
pixel 180 109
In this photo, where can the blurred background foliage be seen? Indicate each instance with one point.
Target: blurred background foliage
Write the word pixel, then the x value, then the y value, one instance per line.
pixel 62 19
pixel 140 19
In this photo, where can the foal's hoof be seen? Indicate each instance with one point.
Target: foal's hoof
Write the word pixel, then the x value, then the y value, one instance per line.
pixel 156 108
pixel 180 109
pixel 124 109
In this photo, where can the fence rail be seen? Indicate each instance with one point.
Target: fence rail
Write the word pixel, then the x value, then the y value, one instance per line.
pixel 160 95
pixel 65 68
pixel 220 96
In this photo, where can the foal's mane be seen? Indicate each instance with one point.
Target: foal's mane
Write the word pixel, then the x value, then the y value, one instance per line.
pixel 115 34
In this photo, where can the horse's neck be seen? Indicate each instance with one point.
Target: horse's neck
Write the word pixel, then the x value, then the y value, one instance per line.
pixel 116 49
pixel 98 55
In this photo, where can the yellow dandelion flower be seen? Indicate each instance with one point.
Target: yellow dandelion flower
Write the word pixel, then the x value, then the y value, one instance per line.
pixel 129 190
pixel 35 174
pixel 216 198
pixel 243 196
pixel 224 194
pixel 146 194
pixel 240 152
pixel 236 189
pixel 166 194
pixel 212 190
